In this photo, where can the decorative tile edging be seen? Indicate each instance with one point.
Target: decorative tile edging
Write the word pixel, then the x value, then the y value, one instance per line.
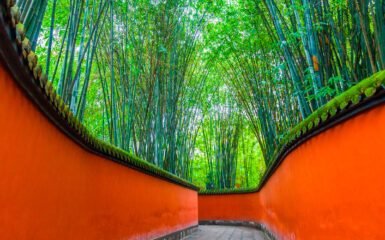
pixel 364 95
pixel 22 63
pixel 356 99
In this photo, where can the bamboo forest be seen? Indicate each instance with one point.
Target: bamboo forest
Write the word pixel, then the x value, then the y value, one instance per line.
pixel 204 89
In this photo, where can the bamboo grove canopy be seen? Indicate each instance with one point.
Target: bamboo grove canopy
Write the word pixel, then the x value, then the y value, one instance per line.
pixel 203 89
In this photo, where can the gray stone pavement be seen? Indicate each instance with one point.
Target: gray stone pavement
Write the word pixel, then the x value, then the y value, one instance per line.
pixel 216 232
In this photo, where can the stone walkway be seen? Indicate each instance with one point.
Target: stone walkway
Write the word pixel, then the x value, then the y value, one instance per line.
pixel 216 232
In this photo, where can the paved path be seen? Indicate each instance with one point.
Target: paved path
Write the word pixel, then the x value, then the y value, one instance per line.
pixel 215 232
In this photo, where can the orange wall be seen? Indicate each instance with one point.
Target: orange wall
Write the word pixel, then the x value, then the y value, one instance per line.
pixel 330 187
pixel 50 188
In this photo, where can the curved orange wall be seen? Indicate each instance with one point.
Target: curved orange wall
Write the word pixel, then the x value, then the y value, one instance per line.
pixel 50 188
pixel 330 187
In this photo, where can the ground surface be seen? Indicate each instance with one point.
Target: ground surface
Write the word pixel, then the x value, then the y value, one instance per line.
pixel 215 232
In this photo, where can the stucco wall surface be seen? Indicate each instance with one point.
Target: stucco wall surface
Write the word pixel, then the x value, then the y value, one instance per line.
pixel 330 187
pixel 51 188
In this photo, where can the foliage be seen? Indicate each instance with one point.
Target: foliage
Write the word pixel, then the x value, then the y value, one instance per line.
pixel 206 90
pixel 286 59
